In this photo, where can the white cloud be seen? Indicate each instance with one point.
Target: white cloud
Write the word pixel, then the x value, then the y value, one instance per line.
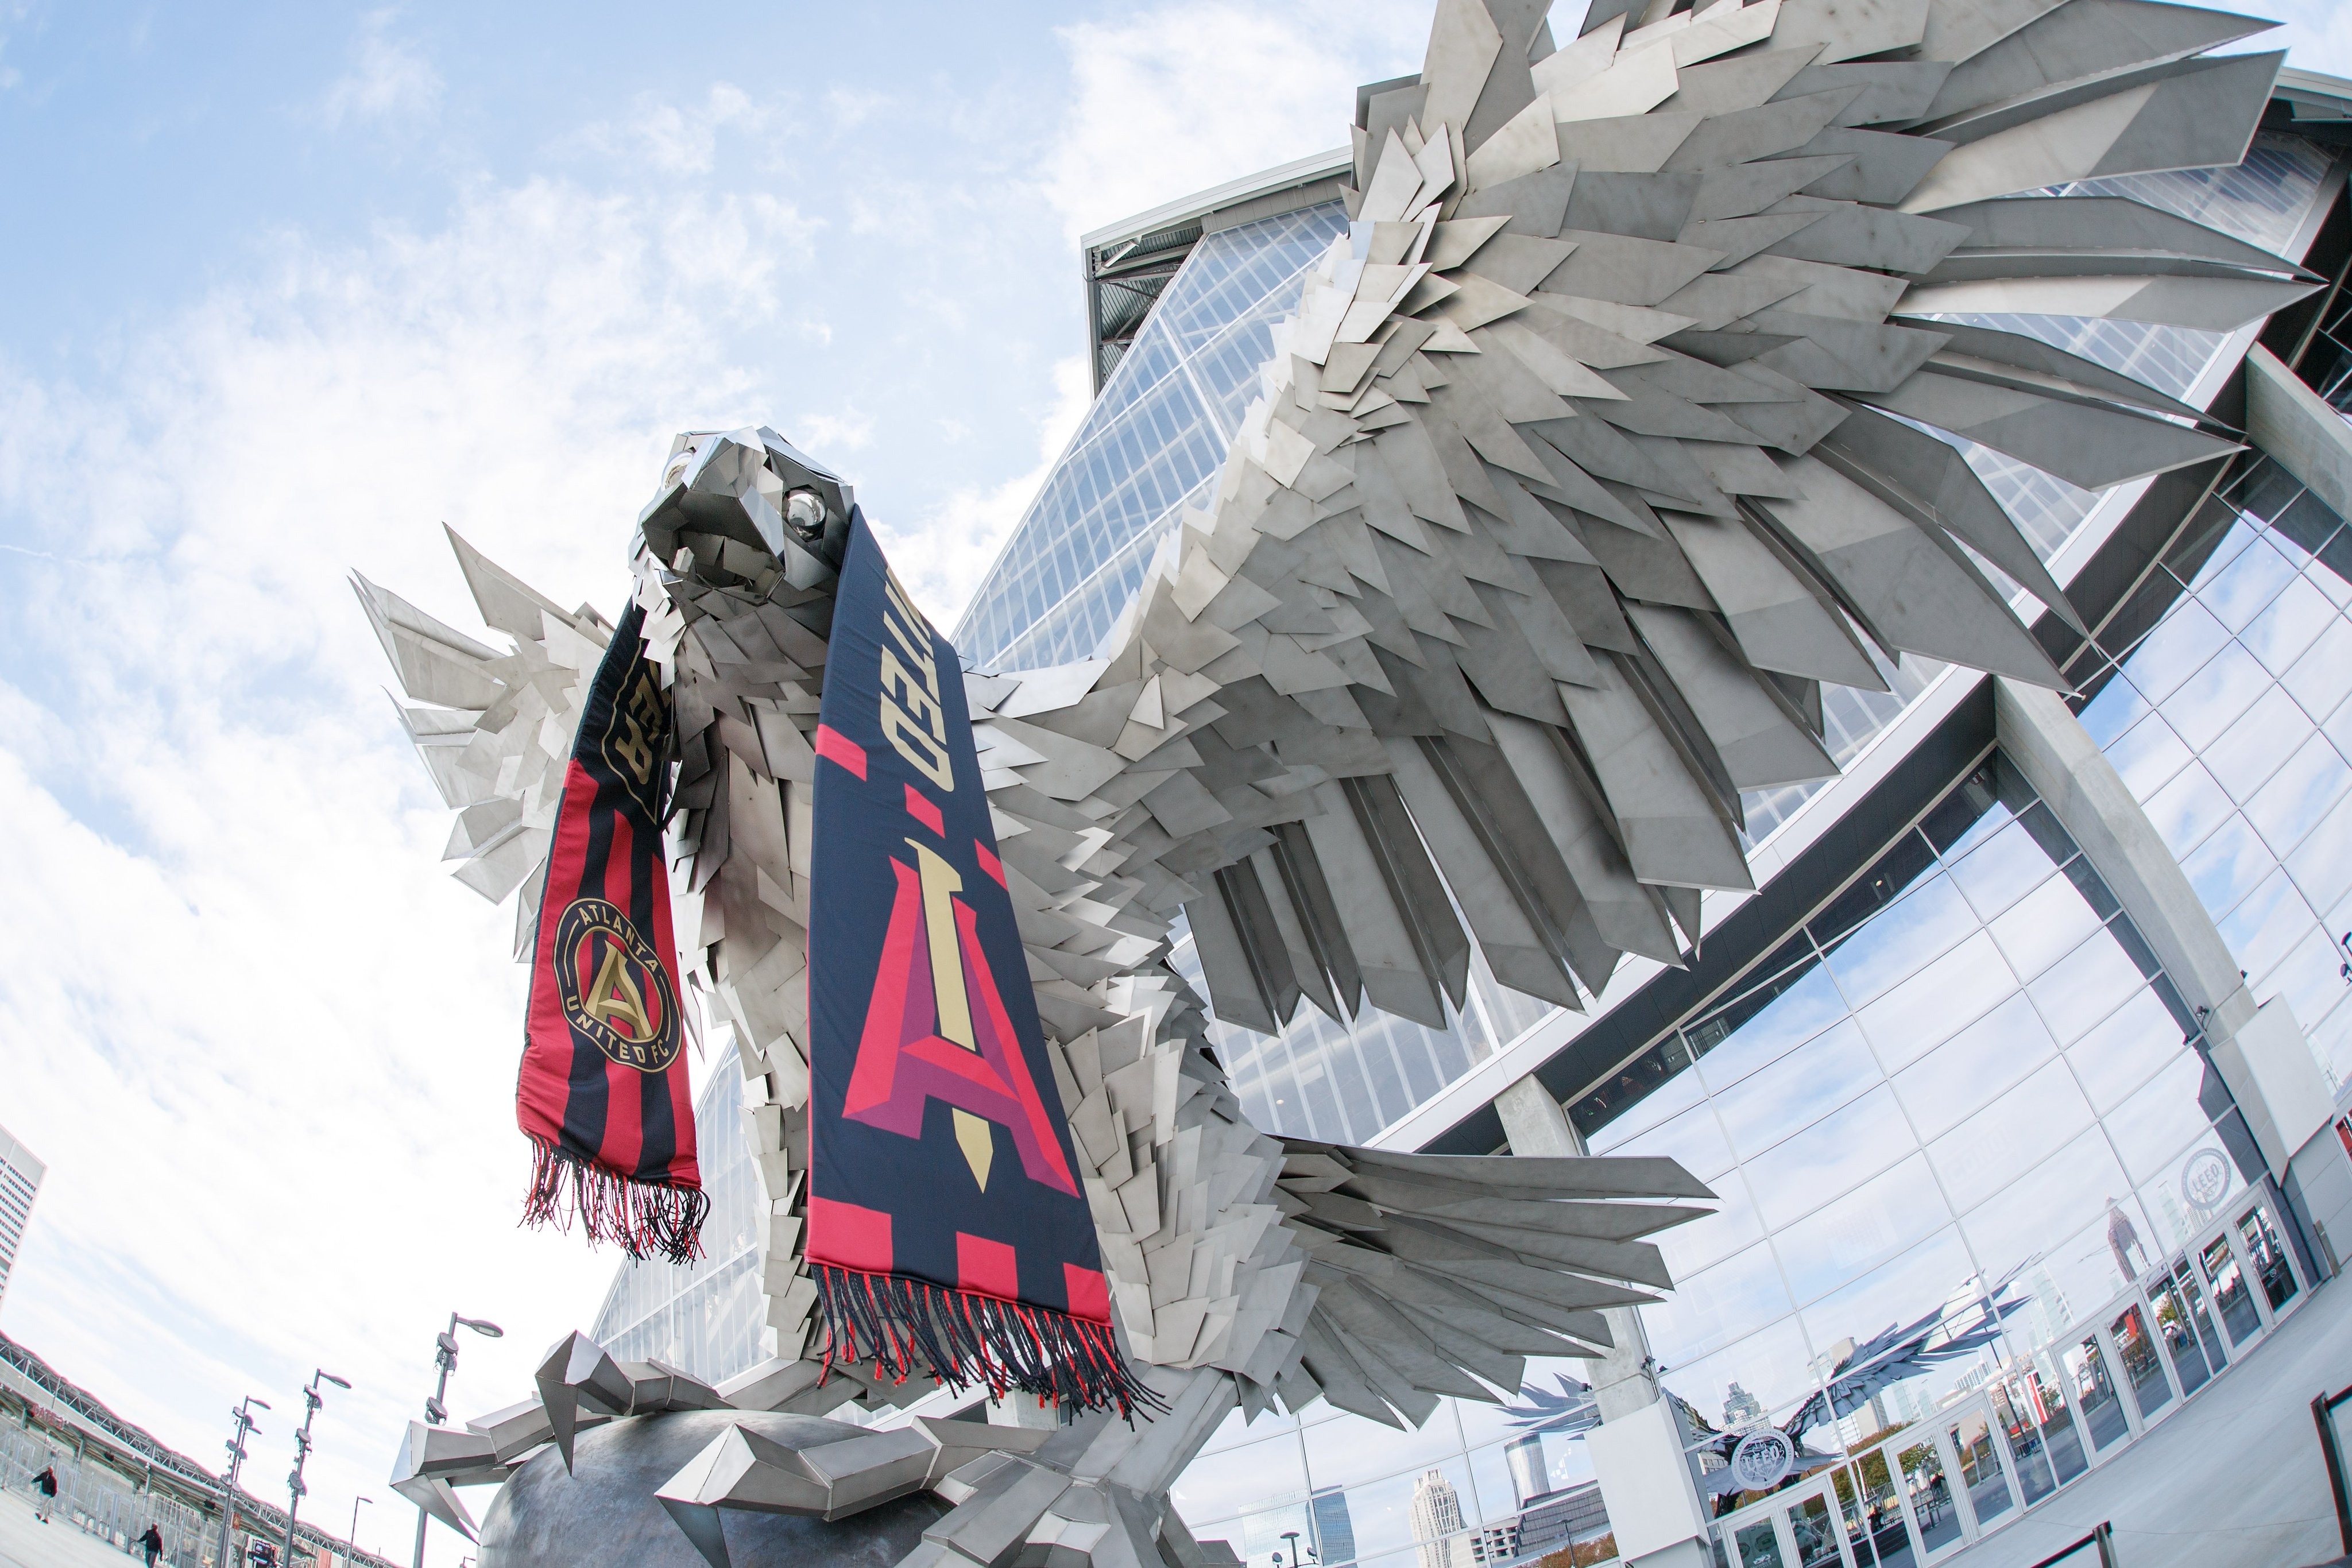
pixel 942 559
pixel 2316 35
pixel 266 1045
pixel 1187 96
pixel 389 80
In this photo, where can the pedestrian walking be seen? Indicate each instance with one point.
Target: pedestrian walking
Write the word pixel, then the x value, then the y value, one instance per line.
pixel 151 1543
pixel 45 1483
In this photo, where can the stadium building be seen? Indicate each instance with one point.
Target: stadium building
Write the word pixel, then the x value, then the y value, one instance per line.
pixel 2020 1075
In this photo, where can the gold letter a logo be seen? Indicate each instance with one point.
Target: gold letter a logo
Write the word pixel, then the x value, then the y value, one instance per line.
pixel 615 995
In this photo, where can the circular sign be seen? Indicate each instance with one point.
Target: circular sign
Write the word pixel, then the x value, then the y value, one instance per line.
pixel 616 992
pixel 2205 1180
pixel 1763 1459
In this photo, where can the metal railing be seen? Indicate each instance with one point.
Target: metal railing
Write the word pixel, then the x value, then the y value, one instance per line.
pixel 2324 1412
pixel 2100 1541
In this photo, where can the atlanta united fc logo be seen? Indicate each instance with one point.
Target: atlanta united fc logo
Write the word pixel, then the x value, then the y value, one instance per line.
pixel 615 992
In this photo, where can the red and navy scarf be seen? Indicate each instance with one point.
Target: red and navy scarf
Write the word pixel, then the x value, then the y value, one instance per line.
pixel 948 1229
pixel 602 1095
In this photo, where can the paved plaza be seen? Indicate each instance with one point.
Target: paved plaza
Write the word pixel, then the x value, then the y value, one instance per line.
pixel 2234 1481
pixel 26 1542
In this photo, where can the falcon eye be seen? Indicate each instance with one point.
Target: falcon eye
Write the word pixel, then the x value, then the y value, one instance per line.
pixel 805 511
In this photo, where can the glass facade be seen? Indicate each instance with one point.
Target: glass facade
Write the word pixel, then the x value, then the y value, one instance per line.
pixel 1453 1494
pixel 709 1317
pixel 1324 1080
pixel 20 1183
pixel 1154 441
pixel 2232 722
pixel 1988 1213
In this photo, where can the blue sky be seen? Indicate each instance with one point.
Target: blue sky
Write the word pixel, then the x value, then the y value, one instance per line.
pixel 286 288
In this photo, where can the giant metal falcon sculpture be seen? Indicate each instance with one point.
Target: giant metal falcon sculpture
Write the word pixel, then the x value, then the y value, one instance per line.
pixel 1623 418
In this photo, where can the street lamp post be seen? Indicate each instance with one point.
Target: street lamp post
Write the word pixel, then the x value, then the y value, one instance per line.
pixel 351 1541
pixel 444 1356
pixel 1292 1536
pixel 243 1414
pixel 311 1402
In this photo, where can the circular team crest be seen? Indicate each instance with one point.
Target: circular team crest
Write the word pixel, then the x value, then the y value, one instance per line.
pixel 615 992
pixel 1763 1459
pixel 2205 1180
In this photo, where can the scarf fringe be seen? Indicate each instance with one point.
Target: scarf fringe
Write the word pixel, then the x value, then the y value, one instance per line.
pixel 963 1339
pixel 647 1218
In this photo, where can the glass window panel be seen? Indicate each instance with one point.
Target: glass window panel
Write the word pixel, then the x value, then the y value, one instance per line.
pixel 2255 748
pixel 2322 678
pixel 1349 1449
pixel 1757 1544
pixel 2044 927
pixel 2148 755
pixel 2085 986
pixel 1935 1274
pixel 1835 1156
pixel 2117 1057
pixel 2258 1237
pixel 2280 635
pixel 1246 1478
pixel 1902 940
pixel 2028 1457
pixel 1929 1491
pixel 2188 1191
pixel 2297 796
pixel 1708 1311
pixel 2062 1196
pixel 2266 925
pixel 2228 865
pixel 1944 997
pixel 2322 863
pixel 2185 810
pixel 2092 1383
pixel 2177 649
pixel 1773 1367
pixel 1795 1016
pixel 1814 1532
pixel 1966 1071
pixel 1670 1102
pixel 1687 1249
pixel 1860 1230
pixel 1695 1138
pixel 2003 869
pixel 1796 1090
pixel 2241 591
pixel 1981 1473
pixel 2191 1287
pixel 2118 708
pixel 1381 1512
pixel 2175 1335
pixel 2310 977
pixel 2015 1132
pixel 2143 1367
pixel 2150 1128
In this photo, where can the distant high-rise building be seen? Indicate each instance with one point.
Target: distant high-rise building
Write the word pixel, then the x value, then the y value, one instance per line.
pixel 20 1179
pixel 1437 1523
pixel 1530 1476
pixel 1335 1531
pixel 1740 1409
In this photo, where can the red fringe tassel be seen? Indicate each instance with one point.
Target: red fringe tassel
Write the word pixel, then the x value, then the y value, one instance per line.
pixel 648 1219
pixel 962 1339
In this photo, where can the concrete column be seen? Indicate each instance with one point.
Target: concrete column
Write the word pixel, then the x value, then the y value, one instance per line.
pixel 2296 427
pixel 2259 1051
pixel 1637 1451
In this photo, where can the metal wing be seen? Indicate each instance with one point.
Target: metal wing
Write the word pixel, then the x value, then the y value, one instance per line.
pixel 1607 435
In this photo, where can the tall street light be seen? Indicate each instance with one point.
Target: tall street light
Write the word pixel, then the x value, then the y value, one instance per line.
pixel 351 1541
pixel 311 1402
pixel 444 1356
pixel 243 1416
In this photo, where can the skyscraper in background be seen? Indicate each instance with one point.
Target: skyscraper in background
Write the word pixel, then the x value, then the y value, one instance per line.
pixel 1335 1531
pixel 1437 1523
pixel 20 1181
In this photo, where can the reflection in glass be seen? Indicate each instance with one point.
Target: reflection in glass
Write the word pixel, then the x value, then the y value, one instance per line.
pixel 2151 1390
pixel 2095 1392
pixel 1815 1533
pixel 2193 1295
pixel 2180 1340
pixel 1878 1512
pixel 1758 1545
pixel 2267 1256
pixel 1980 1472
pixel 2231 1300
pixel 1929 1493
